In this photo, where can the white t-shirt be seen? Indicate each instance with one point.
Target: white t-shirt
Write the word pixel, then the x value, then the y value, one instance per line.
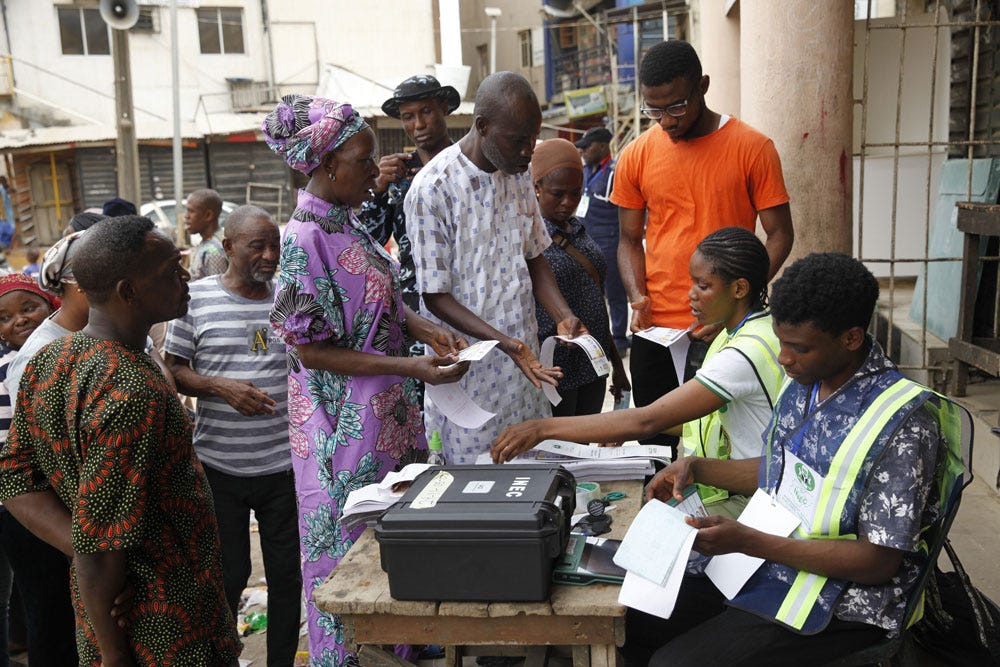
pixel 747 412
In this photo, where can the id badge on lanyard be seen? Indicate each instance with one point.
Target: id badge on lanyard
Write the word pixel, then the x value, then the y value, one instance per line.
pixel 583 206
pixel 800 489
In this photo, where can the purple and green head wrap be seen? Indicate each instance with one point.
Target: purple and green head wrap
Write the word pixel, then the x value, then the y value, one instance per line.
pixel 303 129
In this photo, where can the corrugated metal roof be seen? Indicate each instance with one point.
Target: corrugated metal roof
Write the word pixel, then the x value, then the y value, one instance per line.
pixel 146 130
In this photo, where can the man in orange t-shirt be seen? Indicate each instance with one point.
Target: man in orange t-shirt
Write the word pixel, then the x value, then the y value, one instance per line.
pixel 693 172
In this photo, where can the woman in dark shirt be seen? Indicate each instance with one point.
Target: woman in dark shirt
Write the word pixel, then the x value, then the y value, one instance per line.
pixel 579 267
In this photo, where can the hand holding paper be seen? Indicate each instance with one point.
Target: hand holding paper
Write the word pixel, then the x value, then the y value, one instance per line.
pixel 595 353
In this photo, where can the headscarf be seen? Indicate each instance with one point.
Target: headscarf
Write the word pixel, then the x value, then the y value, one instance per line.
pixel 57 265
pixel 19 281
pixel 302 129
pixel 554 154
pixel 82 221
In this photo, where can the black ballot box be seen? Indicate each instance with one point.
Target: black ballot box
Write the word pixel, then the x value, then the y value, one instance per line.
pixel 482 532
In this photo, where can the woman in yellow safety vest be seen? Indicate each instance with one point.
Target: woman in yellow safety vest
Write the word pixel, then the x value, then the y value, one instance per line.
pixel 731 397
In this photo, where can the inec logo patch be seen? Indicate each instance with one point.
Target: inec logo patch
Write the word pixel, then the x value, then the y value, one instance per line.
pixel 805 476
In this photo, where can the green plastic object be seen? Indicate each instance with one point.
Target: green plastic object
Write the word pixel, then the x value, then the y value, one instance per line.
pixel 434 454
pixel 435 444
pixel 256 621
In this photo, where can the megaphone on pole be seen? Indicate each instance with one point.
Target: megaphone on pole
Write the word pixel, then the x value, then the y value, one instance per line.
pixel 119 14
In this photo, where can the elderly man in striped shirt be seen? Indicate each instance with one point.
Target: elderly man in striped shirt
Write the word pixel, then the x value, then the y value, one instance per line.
pixel 224 353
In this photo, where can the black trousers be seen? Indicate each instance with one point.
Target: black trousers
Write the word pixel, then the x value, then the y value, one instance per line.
pixel 272 498
pixel 704 631
pixel 653 376
pixel 587 399
pixel 42 575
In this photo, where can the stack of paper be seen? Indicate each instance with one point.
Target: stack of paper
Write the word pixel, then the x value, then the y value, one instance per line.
pixel 656 549
pixel 365 505
pixel 594 464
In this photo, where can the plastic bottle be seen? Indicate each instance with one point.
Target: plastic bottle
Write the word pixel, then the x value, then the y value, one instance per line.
pixel 434 454
pixel 255 621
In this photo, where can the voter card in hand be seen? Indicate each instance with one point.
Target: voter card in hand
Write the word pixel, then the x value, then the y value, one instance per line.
pixel 476 351
pixel 598 359
pixel 691 505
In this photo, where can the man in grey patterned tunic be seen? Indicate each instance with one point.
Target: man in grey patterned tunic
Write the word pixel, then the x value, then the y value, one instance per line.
pixel 478 239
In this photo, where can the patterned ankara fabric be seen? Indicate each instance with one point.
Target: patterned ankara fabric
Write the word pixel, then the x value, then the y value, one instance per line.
pixel 472 233
pixel 337 285
pixel 585 299
pixel 130 475
pixel 208 258
pixel 302 129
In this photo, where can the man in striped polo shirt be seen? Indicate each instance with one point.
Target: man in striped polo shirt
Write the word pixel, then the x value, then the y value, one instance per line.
pixel 224 353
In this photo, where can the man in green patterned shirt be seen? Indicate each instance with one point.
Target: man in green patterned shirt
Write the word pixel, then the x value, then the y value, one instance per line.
pixel 101 448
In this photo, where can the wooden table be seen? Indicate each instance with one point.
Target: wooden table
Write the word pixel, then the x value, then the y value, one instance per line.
pixel 588 618
pixel 977 222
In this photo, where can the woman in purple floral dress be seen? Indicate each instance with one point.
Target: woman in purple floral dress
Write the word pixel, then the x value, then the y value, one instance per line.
pixel 353 408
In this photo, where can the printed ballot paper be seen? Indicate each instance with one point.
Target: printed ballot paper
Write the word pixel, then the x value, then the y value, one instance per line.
pixel 655 553
pixel 452 400
pixel 675 340
pixel 657 547
pixel 598 359
pixel 730 571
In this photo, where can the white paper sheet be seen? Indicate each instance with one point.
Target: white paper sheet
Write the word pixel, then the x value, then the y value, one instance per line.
pixel 407 474
pixel 580 451
pixel 595 353
pixel 675 340
pixel 456 405
pixel 730 572
pixel 662 335
pixel 477 350
pixel 474 352
pixel 644 595
pixel 654 545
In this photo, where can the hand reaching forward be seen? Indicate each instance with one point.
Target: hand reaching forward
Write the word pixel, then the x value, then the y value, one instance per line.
pixel 529 364
pixel 516 439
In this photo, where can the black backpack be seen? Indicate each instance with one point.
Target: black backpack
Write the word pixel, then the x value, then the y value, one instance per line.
pixel 960 626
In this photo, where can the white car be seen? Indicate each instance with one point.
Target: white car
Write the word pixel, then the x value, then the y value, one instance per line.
pixel 163 212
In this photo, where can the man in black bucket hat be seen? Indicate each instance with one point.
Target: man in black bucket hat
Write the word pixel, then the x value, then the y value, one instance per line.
pixel 421 104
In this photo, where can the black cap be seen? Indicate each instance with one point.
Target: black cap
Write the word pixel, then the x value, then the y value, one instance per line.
pixel 118 206
pixel 601 134
pixel 420 87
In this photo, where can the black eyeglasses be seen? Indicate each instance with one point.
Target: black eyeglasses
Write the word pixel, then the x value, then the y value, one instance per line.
pixel 674 110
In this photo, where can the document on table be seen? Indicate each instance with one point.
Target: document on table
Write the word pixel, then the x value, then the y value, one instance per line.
pixel 452 400
pixel 595 353
pixel 730 572
pixel 656 550
pixel 580 451
pixel 675 340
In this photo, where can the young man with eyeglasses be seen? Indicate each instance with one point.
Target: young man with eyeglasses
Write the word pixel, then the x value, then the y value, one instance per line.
pixel 692 172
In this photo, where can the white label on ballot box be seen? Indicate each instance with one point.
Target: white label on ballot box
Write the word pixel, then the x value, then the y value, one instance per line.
pixel 431 494
pixel 479 486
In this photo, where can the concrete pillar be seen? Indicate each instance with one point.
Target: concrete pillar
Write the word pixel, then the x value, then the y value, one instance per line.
pixel 716 37
pixel 796 58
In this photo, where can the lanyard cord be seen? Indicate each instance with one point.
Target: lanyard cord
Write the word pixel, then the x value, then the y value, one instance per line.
pixel 596 174
pixel 795 440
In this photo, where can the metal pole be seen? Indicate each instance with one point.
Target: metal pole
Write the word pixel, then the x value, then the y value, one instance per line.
pixel 493 44
pixel 178 148
pixel 126 145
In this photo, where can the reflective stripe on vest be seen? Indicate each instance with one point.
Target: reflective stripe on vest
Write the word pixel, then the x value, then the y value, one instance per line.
pixel 837 486
pixel 704 437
